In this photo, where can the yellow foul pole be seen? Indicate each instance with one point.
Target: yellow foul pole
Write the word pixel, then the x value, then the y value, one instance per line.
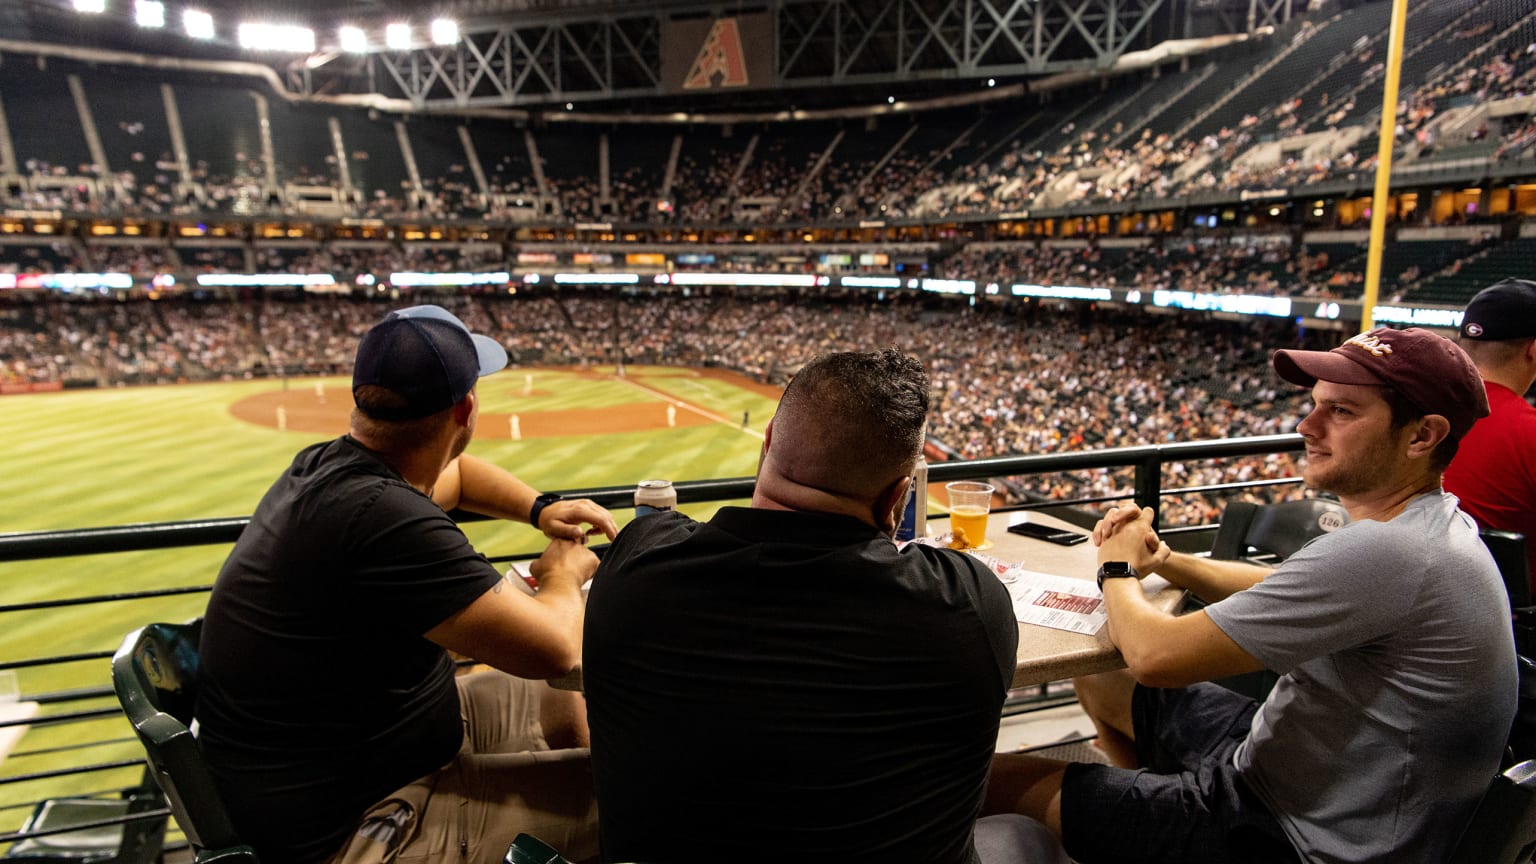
pixel 1384 163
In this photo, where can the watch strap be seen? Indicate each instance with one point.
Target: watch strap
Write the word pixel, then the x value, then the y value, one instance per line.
pixel 1128 572
pixel 539 504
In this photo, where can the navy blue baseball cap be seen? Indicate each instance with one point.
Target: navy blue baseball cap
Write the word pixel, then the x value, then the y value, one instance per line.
pixel 1504 310
pixel 427 357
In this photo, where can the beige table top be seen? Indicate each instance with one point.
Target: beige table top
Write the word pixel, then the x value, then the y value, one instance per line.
pixel 1047 654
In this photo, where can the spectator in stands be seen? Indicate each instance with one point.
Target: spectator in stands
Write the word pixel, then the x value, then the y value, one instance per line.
pixel 1494 475
pixel 1365 750
pixel 866 680
pixel 330 713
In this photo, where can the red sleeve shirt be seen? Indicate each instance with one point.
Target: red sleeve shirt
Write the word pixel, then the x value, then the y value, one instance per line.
pixel 1494 472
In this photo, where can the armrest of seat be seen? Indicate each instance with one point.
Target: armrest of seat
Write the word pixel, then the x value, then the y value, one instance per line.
pixel 231 855
pixel 528 849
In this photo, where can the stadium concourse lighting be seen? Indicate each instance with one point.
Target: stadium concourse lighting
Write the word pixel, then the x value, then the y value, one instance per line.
pixel 198 24
pixel 353 40
pixel 277 37
pixel 91 7
pixel 149 13
pixel 445 31
pixel 398 36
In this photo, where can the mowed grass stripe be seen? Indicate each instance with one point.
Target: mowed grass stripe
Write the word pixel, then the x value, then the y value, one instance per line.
pixel 203 472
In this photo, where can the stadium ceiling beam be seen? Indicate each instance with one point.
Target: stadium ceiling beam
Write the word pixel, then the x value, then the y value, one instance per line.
pixel 587 55
pixel 1245 16
pixel 1268 13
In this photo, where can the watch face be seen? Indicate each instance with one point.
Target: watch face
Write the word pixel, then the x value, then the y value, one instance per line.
pixel 1117 568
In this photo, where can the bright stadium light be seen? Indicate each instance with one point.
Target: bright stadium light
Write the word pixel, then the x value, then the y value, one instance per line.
pixel 198 24
pixel 353 40
pixel 398 36
pixel 445 31
pixel 277 37
pixel 149 13
pixel 91 7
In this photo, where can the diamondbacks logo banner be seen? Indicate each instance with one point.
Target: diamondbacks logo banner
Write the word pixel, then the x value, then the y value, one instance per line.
pixel 717 54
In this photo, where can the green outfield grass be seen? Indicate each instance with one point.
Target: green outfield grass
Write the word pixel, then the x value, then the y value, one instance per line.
pixel 96 458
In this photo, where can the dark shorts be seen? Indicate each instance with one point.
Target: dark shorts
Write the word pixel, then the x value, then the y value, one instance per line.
pixel 1187 804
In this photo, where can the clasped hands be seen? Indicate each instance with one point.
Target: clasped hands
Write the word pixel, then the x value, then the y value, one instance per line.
pixel 564 523
pixel 1125 534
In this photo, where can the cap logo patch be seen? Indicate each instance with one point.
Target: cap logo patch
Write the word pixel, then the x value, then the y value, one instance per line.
pixel 1474 330
pixel 1372 343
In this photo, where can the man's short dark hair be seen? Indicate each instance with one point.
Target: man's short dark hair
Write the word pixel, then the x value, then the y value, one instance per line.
pixel 1404 412
pixel 868 408
pixel 390 434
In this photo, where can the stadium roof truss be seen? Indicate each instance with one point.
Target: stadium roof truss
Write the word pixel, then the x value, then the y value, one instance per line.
pixel 554 56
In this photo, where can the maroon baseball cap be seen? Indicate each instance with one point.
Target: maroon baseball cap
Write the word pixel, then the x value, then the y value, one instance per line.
pixel 1429 371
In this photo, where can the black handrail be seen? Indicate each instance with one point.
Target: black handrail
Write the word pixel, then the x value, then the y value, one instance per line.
pixel 1147 459
pixel 31 545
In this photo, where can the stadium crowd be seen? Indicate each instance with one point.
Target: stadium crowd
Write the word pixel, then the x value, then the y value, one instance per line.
pixel 1007 381
pixel 777 172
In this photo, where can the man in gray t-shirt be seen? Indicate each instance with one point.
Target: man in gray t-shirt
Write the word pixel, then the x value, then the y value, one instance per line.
pixel 1391 635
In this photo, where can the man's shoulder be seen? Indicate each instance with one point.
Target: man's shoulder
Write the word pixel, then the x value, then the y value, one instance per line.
pixel 644 533
pixel 1429 529
pixel 1507 409
pixel 943 559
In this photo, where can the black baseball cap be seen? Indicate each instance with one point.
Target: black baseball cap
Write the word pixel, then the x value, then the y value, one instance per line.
pixel 1504 310
pixel 426 356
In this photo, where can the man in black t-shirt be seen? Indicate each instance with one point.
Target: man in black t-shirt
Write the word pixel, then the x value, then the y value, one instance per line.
pixel 782 681
pixel 328 699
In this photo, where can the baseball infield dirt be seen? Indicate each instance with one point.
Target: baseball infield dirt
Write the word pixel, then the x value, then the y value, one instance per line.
pixel 304 409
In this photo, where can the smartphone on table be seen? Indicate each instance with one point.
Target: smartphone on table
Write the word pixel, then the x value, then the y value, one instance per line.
pixel 1048 533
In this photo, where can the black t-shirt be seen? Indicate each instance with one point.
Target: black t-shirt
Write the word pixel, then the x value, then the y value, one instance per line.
pixel 775 683
pixel 318 693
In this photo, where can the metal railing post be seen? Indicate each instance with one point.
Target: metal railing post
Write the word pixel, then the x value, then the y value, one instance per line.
pixel 1149 485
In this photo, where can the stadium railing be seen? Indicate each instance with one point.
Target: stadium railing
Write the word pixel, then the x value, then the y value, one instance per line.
pixel 1147 490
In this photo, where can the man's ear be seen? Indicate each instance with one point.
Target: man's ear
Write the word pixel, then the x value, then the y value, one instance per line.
pixel 890 503
pixel 1429 432
pixel 464 408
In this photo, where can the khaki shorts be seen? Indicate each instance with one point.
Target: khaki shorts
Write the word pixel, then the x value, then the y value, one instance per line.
pixel 504 781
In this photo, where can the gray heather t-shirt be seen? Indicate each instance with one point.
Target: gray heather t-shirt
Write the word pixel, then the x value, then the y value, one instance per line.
pixel 1398 687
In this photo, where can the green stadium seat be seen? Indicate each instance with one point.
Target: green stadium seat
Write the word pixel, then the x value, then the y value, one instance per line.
pixel 155 675
pixel 1503 828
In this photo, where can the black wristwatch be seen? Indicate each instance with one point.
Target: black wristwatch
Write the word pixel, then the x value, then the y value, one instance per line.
pixel 1116 570
pixel 539 504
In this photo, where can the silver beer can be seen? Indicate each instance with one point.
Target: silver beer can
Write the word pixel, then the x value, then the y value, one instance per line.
pixel 653 496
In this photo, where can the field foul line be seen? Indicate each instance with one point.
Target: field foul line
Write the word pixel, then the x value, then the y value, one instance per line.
pixel 702 412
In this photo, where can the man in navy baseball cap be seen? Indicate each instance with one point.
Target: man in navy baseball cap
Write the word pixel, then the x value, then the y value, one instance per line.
pixel 426 358
pixel 333 721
